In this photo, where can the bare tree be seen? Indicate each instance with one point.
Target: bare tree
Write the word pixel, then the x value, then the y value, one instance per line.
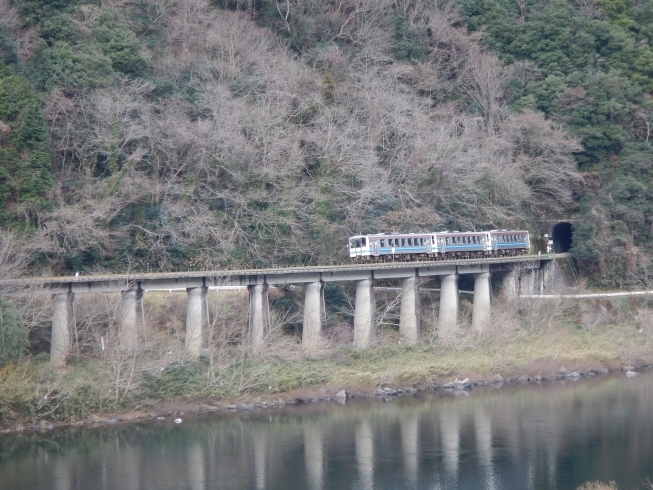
pixel 485 81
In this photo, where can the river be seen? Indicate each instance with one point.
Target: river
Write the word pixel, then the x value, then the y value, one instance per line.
pixel 553 435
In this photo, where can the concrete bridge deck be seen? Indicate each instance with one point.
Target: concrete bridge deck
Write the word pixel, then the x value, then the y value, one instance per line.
pixel 274 275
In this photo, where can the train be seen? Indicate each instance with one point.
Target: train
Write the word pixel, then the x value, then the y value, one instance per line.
pixel 391 247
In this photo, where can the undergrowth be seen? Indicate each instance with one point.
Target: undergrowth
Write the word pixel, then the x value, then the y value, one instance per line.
pixel 31 390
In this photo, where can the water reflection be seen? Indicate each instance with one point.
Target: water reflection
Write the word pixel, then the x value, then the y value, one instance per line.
pixel 450 438
pixel 195 462
pixel 483 433
pixel 365 454
pixel 313 456
pixel 549 436
pixel 61 477
pixel 260 448
pixel 410 444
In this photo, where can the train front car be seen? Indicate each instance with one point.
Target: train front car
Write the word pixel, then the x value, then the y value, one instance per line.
pixel 464 244
pixel 510 242
pixel 359 248
pixel 391 247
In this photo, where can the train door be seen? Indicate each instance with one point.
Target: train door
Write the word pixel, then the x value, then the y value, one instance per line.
pixel 375 247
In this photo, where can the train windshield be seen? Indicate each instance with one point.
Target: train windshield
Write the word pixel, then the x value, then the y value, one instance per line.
pixel 355 243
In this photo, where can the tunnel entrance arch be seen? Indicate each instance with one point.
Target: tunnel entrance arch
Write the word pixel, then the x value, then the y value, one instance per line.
pixel 562 234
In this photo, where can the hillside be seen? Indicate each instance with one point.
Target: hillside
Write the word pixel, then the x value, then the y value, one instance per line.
pixel 189 134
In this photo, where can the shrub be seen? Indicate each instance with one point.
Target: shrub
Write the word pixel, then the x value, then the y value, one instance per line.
pixel 13 337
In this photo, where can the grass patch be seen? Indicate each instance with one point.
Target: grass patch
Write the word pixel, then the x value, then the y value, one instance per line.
pixel 31 390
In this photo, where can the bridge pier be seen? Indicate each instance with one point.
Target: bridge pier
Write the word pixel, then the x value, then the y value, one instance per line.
pixel 314 314
pixel 527 281
pixel 548 275
pixel 482 300
pixel 364 331
pixel 128 335
pixel 410 314
pixel 61 338
pixel 510 285
pixel 196 320
pixel 448 320
pixel 259 316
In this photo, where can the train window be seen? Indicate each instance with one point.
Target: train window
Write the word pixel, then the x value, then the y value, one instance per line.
pixel 410 242
pixel 363 241
pixel 382 242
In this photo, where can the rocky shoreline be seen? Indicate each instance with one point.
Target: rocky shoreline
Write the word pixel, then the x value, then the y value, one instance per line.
pixel 177 409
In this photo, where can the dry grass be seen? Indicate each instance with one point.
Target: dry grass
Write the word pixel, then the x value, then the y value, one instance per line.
pixel 523 339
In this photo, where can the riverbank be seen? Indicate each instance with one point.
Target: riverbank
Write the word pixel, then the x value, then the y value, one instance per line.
pixel 108 390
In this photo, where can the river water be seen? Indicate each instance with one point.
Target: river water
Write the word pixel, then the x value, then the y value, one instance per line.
pixel 553 435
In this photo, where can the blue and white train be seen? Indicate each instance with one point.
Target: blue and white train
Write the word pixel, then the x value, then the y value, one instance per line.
pixel 434 246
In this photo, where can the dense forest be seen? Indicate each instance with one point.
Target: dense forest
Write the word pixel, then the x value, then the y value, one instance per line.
pixel 185 133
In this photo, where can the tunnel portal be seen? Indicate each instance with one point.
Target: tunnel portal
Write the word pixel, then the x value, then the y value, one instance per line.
pixel 562 234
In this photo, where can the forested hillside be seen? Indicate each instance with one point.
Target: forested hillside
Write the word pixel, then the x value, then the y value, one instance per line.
pixel 184 133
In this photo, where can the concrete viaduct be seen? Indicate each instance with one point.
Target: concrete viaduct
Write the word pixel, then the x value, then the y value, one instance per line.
pixel 522 275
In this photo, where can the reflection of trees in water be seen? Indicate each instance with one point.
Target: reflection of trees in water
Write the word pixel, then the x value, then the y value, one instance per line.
pixel 515 437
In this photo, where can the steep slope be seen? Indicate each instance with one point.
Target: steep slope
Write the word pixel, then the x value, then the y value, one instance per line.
pixel 186 134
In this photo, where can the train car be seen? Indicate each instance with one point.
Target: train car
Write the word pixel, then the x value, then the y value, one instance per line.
pixel 392 246
pixel 464 244
pixel 440 245
pixel 510 242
